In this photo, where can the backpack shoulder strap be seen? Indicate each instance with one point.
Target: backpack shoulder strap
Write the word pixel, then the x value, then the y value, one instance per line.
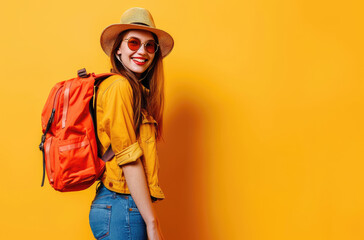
pixel 98 78
pixel 109 154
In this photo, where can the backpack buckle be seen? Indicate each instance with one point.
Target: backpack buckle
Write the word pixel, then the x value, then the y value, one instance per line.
pixel 82 73
pixel 41 145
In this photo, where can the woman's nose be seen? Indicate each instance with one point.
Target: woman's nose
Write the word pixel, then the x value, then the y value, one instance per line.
pixel 141 50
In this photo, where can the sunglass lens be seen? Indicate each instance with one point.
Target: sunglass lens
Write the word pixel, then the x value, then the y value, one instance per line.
pixel 151 46
pixel 134 44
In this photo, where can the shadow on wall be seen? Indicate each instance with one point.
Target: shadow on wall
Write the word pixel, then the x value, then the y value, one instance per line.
pixel 183 173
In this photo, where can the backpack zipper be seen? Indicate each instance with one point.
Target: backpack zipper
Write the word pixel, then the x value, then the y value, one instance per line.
pixel 65 103
pixel 41 146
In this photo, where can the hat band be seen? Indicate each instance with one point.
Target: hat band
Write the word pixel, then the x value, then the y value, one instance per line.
pixel 139 23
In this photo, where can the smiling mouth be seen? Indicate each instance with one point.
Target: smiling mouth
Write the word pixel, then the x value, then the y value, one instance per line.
pixel 139 61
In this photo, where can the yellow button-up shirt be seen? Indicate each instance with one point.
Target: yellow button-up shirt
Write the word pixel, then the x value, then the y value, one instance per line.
pixel 115 126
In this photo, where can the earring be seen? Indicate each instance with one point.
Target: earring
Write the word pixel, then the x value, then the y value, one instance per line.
pixel 118 57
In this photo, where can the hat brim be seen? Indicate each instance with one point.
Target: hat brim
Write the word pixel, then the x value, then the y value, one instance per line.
pixel 111 32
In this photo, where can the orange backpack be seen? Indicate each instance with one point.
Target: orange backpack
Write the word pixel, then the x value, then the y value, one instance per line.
pixel 69 140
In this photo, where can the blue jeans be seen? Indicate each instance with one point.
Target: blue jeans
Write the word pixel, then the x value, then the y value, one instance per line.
pixel 115 216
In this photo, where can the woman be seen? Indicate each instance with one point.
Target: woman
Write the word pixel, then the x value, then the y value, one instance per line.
pixel 129 108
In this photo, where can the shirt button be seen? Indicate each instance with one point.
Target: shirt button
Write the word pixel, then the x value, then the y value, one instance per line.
pixel 130 209
pixel 110 184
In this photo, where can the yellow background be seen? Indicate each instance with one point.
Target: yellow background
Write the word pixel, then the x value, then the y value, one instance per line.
pixel 263 124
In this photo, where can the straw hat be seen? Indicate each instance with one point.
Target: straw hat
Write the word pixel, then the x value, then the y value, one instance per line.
pixel 136 18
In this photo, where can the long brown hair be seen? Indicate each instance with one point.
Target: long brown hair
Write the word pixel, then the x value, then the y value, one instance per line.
pixel 154 102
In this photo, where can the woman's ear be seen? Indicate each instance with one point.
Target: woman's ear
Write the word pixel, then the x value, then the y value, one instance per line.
pixel 118 51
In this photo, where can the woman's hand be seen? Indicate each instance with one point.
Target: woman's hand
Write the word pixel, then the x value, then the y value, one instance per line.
pixel 154 230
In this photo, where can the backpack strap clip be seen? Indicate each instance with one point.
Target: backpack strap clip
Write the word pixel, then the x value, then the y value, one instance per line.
pixel 82 73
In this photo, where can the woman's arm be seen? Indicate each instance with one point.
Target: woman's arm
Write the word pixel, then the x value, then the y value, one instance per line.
pixel 116 104
pixel 137 184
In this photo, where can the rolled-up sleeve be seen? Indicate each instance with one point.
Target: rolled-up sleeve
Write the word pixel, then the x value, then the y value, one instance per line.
pixel 118 123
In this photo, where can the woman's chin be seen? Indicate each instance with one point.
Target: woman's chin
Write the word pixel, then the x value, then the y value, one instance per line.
pixel 138 70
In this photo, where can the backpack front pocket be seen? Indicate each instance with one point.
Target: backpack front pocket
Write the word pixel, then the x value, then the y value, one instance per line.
pixel 77 161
